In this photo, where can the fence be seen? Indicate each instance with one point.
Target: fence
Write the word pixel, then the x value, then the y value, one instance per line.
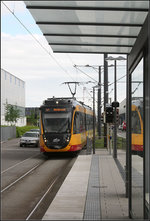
pixel 8 133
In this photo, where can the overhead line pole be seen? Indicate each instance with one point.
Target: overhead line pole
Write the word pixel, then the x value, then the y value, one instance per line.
pixel 105 96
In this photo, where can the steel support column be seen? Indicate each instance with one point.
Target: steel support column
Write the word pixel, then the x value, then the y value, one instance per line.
pixel 93 120
pixel 105 96
pixel 115 112
pixel 99 104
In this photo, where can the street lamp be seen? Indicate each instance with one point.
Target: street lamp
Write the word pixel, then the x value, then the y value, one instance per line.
pixel 98 68
pixel 115 103
pixel 96 86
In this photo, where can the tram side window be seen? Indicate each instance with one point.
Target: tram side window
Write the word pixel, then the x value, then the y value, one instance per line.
pixel 82 122
pixel 136 127
pixel 89 122
pixel 76 125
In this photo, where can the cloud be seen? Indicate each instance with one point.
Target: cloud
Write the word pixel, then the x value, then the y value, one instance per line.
pixel 22 54
pixel 26 59
pixel 23 57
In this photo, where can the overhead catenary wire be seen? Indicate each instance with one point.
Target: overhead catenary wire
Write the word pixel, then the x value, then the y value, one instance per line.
pixel 85 73
pixel 117 80
pixel 49 53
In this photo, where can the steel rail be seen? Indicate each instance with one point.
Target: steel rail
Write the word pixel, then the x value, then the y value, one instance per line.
pixel 14 182
pixel 18 163
pixel 51 185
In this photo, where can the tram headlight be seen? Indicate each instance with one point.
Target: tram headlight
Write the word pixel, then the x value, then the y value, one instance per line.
pixel 45 140
pixel 67 139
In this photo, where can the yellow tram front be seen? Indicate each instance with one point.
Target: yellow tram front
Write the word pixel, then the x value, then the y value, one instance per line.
pixel 62 125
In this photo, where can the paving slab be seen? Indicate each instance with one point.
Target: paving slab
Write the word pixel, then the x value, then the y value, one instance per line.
pixel 114 204
pixel 93 190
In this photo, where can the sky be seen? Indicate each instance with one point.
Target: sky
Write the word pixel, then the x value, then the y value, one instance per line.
pixel 43 71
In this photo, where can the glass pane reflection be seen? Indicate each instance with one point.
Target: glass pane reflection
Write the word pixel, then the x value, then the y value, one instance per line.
pixel 137 140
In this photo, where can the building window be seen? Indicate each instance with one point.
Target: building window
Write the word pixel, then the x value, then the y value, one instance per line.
pixel 10 78
pixel 5 75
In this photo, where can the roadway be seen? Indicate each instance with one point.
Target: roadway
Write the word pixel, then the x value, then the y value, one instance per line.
pixel 121 133
pixel 29 181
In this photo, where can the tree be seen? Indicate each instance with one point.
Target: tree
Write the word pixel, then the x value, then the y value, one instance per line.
pixel 33 118
pixel 12 114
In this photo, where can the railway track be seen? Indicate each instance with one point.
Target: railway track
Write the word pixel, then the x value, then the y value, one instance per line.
pixel 29 186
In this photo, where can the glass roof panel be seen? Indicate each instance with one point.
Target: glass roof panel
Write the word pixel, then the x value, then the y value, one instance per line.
pixel 90 40
pixel 87 49
pixel 99 30
pixel 117 4
pixel 121 17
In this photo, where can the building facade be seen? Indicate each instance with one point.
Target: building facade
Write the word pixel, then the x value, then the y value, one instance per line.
pixel 12 92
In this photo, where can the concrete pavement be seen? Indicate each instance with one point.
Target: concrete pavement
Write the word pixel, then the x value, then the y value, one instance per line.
pixel 93 190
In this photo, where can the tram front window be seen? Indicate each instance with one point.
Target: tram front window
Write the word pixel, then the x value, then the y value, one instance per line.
pixel 57 122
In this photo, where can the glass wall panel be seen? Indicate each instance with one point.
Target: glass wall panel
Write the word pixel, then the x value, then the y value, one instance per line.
pixel 147 184
pixel 137 140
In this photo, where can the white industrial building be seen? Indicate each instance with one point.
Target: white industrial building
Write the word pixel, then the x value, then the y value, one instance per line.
pixel 12 92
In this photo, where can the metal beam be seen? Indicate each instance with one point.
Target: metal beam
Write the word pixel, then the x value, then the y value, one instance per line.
pixel 80 44
pixel 85 8
pixel 90 35
pixel 88 24
pixel 89 52
pixel 139 44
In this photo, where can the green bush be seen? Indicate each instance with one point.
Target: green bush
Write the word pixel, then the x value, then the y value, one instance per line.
pixel 21 130
pixel 5 126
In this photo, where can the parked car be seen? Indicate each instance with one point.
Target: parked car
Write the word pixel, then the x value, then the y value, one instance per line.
pixel 120 127
pixel 35 130
pixel 30 138
pixel 124 125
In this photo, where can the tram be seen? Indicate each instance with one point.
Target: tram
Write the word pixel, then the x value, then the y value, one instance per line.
pixel 65 125
pixel 137 125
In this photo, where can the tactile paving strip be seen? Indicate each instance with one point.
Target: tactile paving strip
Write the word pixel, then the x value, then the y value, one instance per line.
pixel 92 206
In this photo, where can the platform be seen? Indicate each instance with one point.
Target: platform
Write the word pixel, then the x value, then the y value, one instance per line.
pixel 93 190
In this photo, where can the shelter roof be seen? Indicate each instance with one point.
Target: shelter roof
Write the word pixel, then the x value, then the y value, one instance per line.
pixel 90 26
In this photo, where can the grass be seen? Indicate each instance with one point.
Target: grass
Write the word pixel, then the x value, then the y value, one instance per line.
pixel 99 143
pixel 121 143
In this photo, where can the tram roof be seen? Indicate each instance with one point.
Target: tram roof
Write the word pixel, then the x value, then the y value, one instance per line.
pixel 90 26
pixel 64 101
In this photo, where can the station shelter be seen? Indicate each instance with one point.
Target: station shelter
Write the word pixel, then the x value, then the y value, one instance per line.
pixel 111 27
